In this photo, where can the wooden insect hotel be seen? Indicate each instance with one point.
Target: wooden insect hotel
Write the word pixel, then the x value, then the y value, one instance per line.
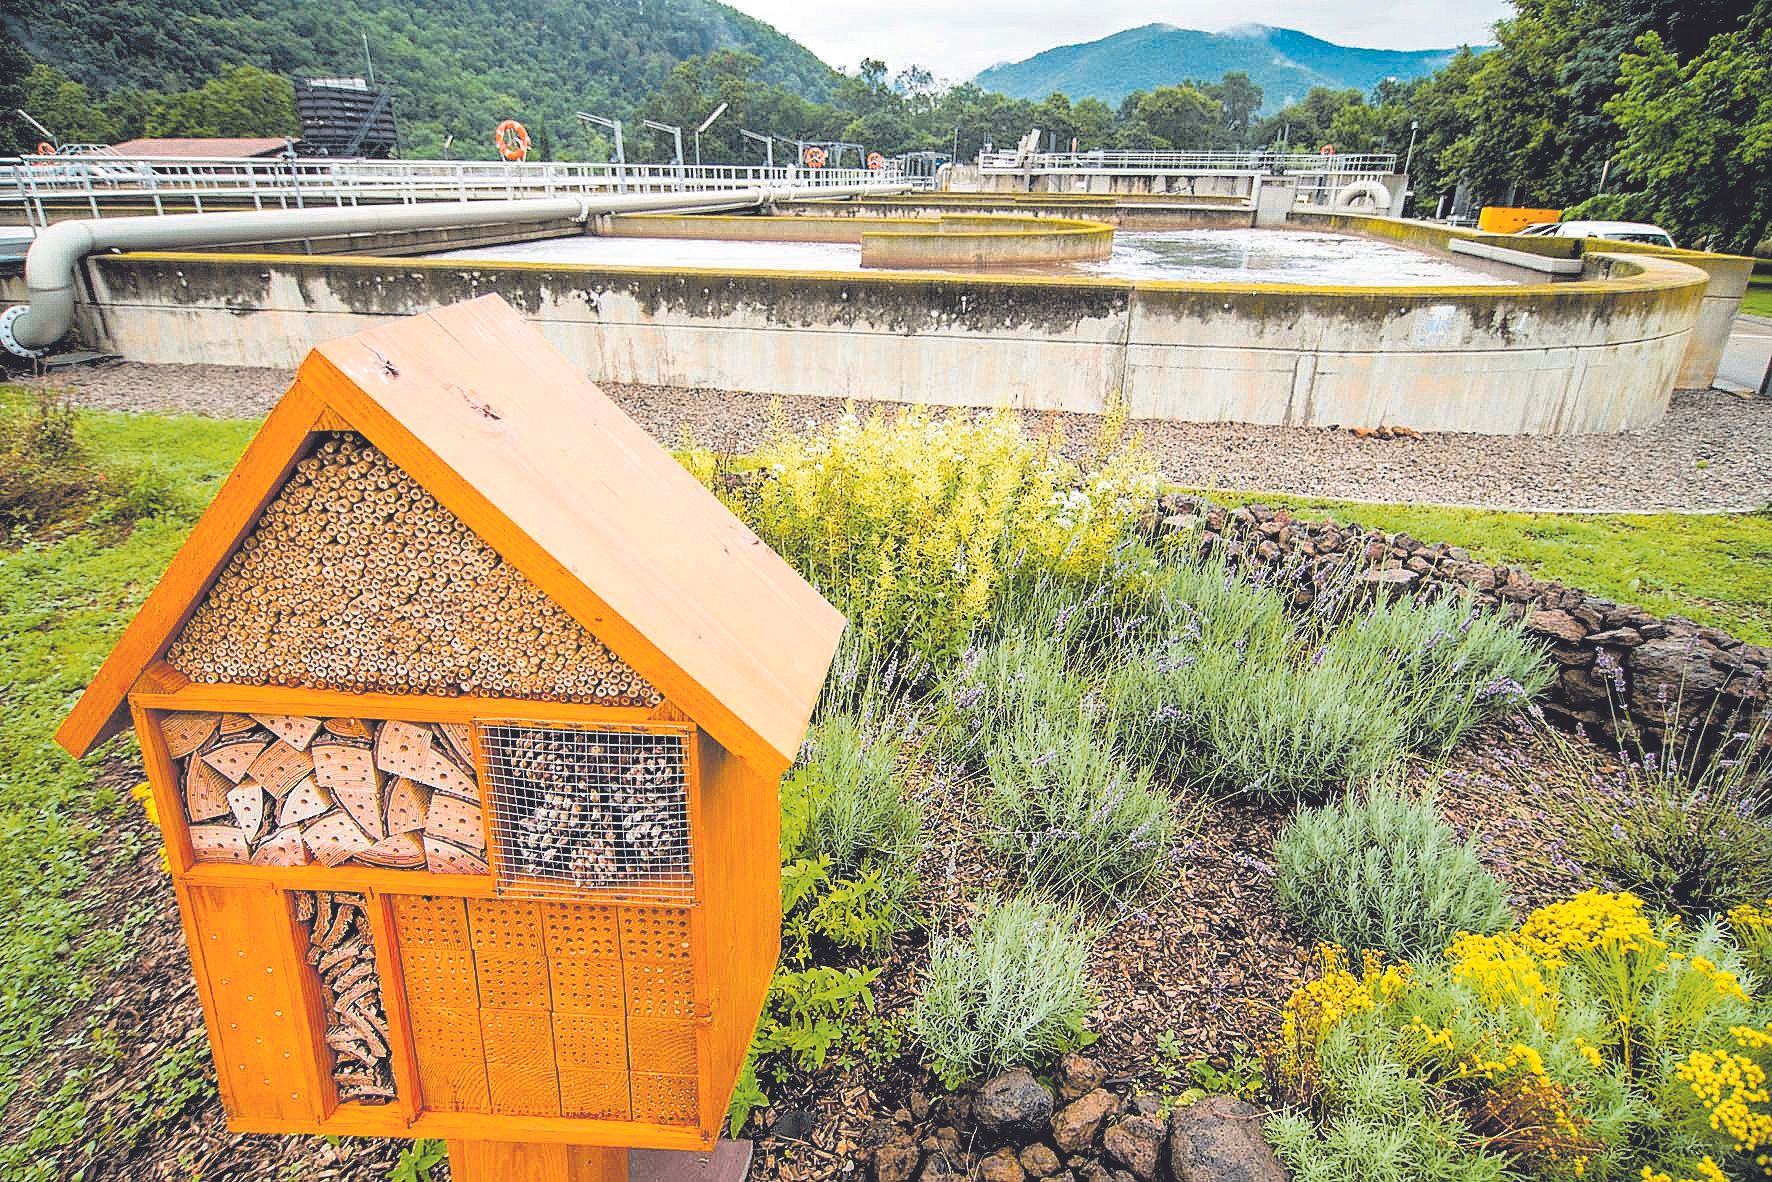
pixel 464 709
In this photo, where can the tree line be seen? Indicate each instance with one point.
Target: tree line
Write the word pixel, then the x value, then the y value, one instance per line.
pixel 1656 110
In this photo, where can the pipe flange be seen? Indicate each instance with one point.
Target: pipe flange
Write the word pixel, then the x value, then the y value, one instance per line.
pixel 11 342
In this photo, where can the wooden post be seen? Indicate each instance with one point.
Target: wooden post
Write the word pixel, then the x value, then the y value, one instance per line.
pixel 509 1161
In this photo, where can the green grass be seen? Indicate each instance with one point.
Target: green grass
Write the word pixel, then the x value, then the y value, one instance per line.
pixel 1758 300
pixel 1713 568
pixel 63 602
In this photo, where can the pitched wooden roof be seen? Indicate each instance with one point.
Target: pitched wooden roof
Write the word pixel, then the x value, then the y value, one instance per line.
pixel 197 148
pixel 511 438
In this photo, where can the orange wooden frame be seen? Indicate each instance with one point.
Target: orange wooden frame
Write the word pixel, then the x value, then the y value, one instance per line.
pixel 407 1116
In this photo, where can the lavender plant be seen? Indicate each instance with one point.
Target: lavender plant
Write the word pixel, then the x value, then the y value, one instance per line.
pixel 1380 871
pixel 1072 817
pixel 1684 826
pixel 1013 992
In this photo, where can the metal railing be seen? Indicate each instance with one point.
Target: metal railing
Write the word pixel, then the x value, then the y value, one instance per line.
pixel 98 181
pixel 1375 163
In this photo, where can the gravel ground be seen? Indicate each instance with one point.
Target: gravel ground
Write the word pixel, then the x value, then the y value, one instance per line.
pixel 1712 452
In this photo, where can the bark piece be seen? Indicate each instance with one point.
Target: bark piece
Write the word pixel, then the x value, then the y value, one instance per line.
pixel 297 730
pixel 305 801
pixel 185 731
pixel 334 837
pixel 219 843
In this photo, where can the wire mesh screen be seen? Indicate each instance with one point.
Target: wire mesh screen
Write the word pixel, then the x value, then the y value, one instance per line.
pixel 579 808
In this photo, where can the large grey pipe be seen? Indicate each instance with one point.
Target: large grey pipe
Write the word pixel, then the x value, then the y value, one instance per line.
pixel 27 330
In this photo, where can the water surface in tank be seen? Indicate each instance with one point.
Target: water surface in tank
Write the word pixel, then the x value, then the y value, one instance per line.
pixel 1192 256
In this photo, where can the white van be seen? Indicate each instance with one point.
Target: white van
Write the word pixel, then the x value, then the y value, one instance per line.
pixel 1616 231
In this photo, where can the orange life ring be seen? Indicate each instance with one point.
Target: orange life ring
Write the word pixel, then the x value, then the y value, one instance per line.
pixel 815 157
pixel 876 161
pixel 512 139
pixel 1327 150
pixel 45 149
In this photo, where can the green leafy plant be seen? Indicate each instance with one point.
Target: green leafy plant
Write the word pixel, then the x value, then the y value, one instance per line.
pixel 1378 870
pixel 417 1160
pixel 845 800
pixel 1012 992
pixel 915 525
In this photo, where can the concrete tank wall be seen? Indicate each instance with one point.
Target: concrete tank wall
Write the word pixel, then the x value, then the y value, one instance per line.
pixel 1726 275
pixel 1596 355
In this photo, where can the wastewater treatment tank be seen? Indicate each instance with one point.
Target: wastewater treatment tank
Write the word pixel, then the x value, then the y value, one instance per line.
pixel 1239 256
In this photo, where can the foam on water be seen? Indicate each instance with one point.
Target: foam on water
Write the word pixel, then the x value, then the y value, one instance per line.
pixel 1190 256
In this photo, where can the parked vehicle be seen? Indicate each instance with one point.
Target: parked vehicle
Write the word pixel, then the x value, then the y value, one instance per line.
pixel 1615 231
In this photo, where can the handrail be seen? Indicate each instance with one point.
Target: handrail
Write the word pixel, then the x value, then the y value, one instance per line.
pixel 285 182
pixel 1250 161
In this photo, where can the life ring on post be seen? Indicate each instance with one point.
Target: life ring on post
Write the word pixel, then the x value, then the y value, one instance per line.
pixel 815 157
pixel 1326 150
pixel 876 161
pixel 512 139
pixel 45 149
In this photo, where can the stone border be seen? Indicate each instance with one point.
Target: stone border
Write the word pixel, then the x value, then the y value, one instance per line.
pixel 1613 660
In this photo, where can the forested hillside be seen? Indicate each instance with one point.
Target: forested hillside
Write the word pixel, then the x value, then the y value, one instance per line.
pixel 1285 63
pixel 458 66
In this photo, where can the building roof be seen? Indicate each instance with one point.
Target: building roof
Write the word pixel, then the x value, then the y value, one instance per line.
pixel 511 438
pixel 193 148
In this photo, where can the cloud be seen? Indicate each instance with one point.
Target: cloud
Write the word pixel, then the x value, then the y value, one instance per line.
pixel 958 39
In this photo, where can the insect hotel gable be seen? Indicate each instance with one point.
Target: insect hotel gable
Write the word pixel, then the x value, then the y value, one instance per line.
pixel 464 708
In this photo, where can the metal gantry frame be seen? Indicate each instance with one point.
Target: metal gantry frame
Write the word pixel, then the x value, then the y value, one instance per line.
pixel 768 142
pixel 621 157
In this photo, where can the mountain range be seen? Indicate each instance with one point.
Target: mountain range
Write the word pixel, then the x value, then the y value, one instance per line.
pixel 1285 63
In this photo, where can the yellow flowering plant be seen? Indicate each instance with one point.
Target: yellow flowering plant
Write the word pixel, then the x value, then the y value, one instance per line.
pixel 915 524
pixel 1594 1040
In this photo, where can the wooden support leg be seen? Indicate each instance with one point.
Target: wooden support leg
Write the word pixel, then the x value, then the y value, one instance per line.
pixel 508 1161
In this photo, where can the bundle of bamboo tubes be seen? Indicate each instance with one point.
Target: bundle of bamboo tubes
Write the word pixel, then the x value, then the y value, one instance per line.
pixel 356 579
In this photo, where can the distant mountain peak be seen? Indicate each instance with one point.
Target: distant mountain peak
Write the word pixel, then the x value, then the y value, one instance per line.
pixel 1285 63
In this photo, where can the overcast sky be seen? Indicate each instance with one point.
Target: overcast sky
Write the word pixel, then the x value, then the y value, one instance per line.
pixel 958 38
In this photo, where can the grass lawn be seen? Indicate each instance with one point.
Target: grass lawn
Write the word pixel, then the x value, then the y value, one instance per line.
pixel 1758 300
pixel 63 601
pixel 1713 568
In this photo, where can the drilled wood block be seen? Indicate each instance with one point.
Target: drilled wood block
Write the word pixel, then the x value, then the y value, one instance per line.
pixel 663 1045
pixel 257 1031
pixel 667 1099
pixel 659 990
pixel 295 729
pixel 520 1061
pixel 450 1057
